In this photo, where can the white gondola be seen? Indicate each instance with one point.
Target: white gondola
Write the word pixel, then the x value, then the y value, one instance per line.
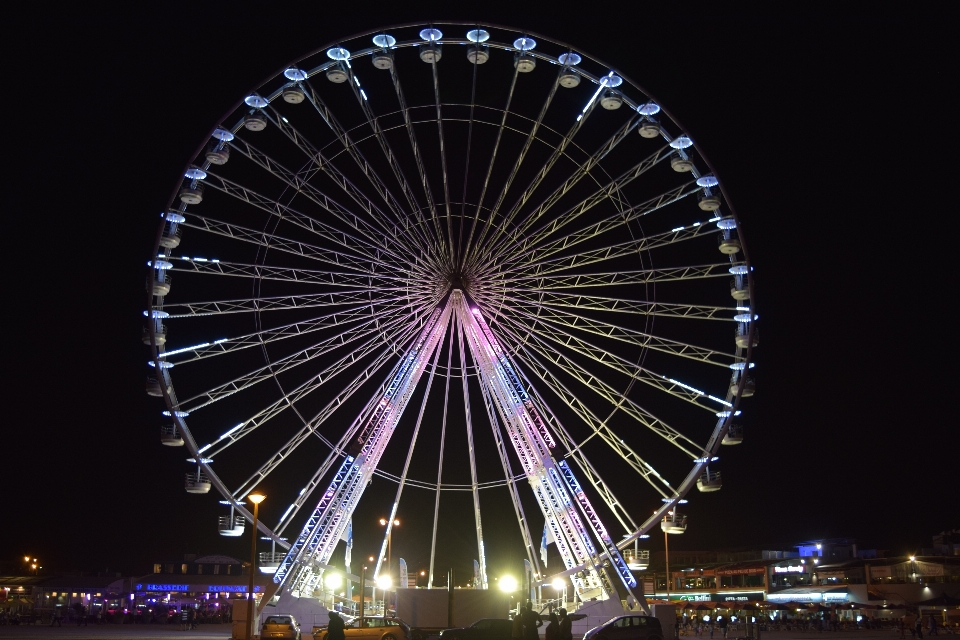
pixel 611 100
pixel 197 483
pixel 382 60
pixel 525 63
pixel 749 387
pixel 734 435
pixel 337 75
pixel 680 164
pixel 708 201
pixel 255 121
pixel 155 388
pixel 709 481
pixel 430 53
pixel 649 129
pixel 743 336
pixel 171 238
pixel 232 526
pixel 269 561
pixel 739 290
pixel 191 195
pixel 161 288
pixel 674 522
pixel 729 245
pixel 170 436
pixel 478 54
pixel 217 155
pixel 569 78
pixel 159 335
pixel 293 95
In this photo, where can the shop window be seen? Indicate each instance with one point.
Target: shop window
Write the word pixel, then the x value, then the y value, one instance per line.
pixel 216 569
pixel 199 569
pixel 183 568
pixel 156 568
pixel 170 568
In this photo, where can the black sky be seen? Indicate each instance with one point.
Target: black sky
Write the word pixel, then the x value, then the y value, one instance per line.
pixel 828 124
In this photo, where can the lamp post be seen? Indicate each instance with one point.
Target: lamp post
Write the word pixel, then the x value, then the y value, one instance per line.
pixel 383 523
pixel 256 499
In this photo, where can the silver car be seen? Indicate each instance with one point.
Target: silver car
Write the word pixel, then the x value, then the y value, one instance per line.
pixel 627 627
pixel 280 627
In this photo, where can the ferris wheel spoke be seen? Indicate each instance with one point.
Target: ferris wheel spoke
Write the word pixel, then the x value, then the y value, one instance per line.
pixel 338 319
pixel 418 158
pixel 534 254
pixel 374 237
pixel 276 303
pixel 560 149
pixel 567 339
pixel 375 338
pixel 287 245
pixel 623 305
pixel 473 247
pixel 535 345
pixel 282 274
pixel 334 236
pixel 429 243
pixel 344 138
pixel 575 322
pixel 581 172
pixel 616 278
pixel 446 179
pixel 523 241
pixel 615 251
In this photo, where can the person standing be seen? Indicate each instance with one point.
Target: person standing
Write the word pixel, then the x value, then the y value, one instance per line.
pixel 565 632
pixel 516 633
pixel 722 623
pixel 56 618
pixel 552 632
pixel 335 627
pixel 918 626
pixel 531 623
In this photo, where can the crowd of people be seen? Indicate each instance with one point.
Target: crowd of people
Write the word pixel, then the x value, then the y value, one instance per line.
pixel 527 623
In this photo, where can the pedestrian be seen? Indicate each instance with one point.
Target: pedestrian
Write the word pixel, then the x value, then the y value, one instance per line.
pixel 81 615
pixel 56 618
pixel 531 623
pixel 191 618
pixel 552 632
pixel 184 618
pixel 918 625
pixel 517 631
pixel 566 626
pixel 335 627
pixel 933 625
pixel 722 622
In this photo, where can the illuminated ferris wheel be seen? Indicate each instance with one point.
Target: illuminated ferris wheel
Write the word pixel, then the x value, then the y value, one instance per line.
pixel 452 242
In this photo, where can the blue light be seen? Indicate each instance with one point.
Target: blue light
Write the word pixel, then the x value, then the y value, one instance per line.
pixel 162 265
pixel 179 414
pixel 745 317
pixel 362 93
pixel 431 35
pixel 223 134
pixel 683 142
pixel 611 80
pixel 295 74
pixel 708 181
pixel 726 414
pixel 740 366
pixel 525 44
pixel 163 365
pixel 739 270
pixel 173 216
pixel 478 36
pixel 727 223
pixel 195 174
pixel 338 53
pixel 570 59
pixel 255 101
pixel 649 109
pixel 157 314
pixel 383 40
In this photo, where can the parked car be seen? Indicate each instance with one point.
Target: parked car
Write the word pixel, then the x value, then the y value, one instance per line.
pixel 485 629
pixel 280 627
pixel 627 628
pixel 374 628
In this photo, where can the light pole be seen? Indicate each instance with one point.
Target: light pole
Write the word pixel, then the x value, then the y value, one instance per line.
pixel 383 523
pixel 256 499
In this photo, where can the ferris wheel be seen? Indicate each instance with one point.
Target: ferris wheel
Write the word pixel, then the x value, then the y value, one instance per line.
pixel 452 241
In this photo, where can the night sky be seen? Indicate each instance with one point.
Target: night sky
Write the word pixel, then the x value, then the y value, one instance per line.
pixel 829 129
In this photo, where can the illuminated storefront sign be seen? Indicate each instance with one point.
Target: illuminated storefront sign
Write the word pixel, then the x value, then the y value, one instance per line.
pixel 744 596
pixel 798 568
pixel 187 588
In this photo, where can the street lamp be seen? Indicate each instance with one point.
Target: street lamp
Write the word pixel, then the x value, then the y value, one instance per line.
pixel 256 499
pixel 383 523
pixel 508 584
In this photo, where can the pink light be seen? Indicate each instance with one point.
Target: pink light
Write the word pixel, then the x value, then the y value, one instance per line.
pixel 475 311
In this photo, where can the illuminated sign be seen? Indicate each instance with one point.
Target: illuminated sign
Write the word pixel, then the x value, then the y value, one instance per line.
pixel 741 572
pixel 213 588
pixel 789 569
pixel 165 587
